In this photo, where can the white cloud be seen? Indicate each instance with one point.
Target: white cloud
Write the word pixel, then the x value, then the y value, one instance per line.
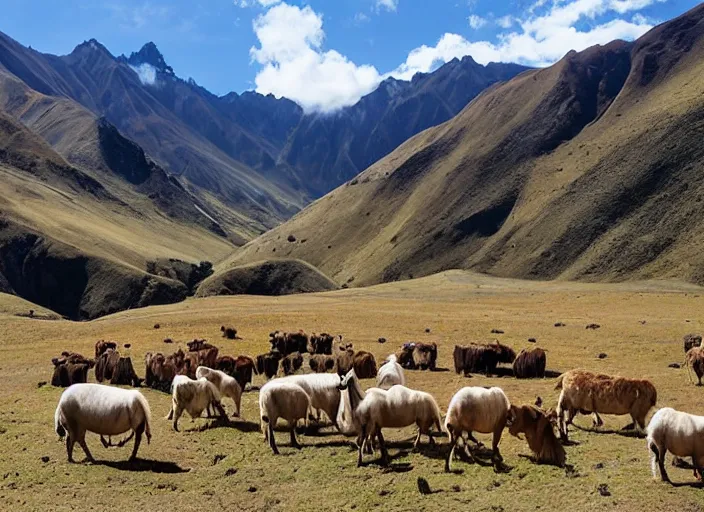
pixel 476 22
pixel 505 21
pixel 541 40
pixel 146 73
pixel 389 5
pixel 296 65
pixel 360 18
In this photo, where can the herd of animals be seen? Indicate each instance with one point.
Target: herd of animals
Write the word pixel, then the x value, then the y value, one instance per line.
pixel 199 379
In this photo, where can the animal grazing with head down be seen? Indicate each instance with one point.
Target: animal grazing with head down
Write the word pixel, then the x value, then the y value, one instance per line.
pixel 104 410
pixel 289 342
pixel 227 386
pixel 481 358
pixel 161 370
pixel 397 407
pixel 390 373
pixel 537 425
pixel 530 364
pixel 364 364
pixel 322 388
pixel 101 346
pixel 425 356
pixel 321 343
pixel 476 409
pixel 586 392
pixel 200 353
pixel 70 368
pixel 679 433
pixel 282 398
pixel 193 396
pixel 268 364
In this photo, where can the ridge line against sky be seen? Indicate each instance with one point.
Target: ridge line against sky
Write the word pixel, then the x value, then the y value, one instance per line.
pixel 327 54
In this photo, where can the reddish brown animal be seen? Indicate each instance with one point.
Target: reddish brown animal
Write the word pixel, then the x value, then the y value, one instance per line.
pixel 320 363
pixel 344 360
pixel 101 346
pixel 695 359
pixel 537 425
pixel 244 368
pixel 268 364
pixel 70 368
pixel 291 363
pixel 481 358
pixel 530 364
pixel 105 364
pixel 364 365
pixel 586 392
pixel 161 370
pixel 321 344
pixel 229 332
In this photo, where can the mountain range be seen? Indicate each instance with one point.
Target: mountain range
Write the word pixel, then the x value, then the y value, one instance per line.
pixel 592 168
pixel 120 178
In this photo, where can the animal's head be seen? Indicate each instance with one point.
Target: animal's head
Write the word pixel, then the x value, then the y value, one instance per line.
pixel 345 381
pixel 519 419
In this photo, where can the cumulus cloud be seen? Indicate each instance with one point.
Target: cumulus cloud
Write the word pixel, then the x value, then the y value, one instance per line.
pixel 295 64
pixel 146 73
pixel 476 21
pixel 251 3
pixel 541 40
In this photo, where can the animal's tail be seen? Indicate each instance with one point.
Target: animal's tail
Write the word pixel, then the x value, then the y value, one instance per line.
pixel 147 415
pixel 438 418
pixel 60 430
pixel 558 382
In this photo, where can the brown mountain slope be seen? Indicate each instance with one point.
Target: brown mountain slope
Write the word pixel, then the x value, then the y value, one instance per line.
pixel 591 168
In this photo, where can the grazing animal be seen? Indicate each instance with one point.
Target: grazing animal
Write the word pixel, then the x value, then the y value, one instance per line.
pixel 481 358
pixel 691 341
pixel 390 373
pixel 226 364
pixel 123 374
pixel 106 364
pixel 320 363
pixel 161 370
pixel 344 360
pixel 530 364
pixel 244 367
pixel 397 407
pixel 322 388
pixel 425 356
pixel 291 363
pixel 476 409
pixel 101 346
pixel 538 429
pixel 695 359
pixel 364 364
pixel 405 356
pixel 321 344
pixel 585 392
pixel 268 364
pixel 193 396
pixel 104 410
pixel 66 374
pixel 280 398
pixel 200 353
pixel 227 385
pixel 679 433
pixel 289 342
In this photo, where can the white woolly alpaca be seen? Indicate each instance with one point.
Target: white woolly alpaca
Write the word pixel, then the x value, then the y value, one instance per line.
pixel 227 385
pixel 476 409
pixel 280 399
pixel 396 408
pixel 104 410
pixel 390 374
pixel 322 388
pixel 679 433
pixel 193 396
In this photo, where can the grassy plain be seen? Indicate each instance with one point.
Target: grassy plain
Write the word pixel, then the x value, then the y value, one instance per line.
pixel 642 325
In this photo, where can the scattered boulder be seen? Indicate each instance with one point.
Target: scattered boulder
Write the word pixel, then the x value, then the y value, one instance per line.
pixel 560 324
pixel 157 326
pixel 593 326
pixel 604 490
pixel 674 365
pixel 168 340
pixel 291 238
pixel 532 340
pixel 45 459
pixel 497 331
pixel 602 355
pixel 382 340
pixel 427 329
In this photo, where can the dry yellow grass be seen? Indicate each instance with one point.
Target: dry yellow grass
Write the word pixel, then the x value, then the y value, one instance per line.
pixel 456 306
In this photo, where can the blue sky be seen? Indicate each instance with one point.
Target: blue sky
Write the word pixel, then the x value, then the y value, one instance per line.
pixel 327 53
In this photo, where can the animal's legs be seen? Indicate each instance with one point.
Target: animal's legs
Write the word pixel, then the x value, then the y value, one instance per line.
pixel 81 438
pixel 660 456
pixel 451 453
pixel 137 441
pixel 176 415
pixel 294 441
pixel 272 441
pixel 382 447
pixel 70 441
pixel 496 455
pixel 363 437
